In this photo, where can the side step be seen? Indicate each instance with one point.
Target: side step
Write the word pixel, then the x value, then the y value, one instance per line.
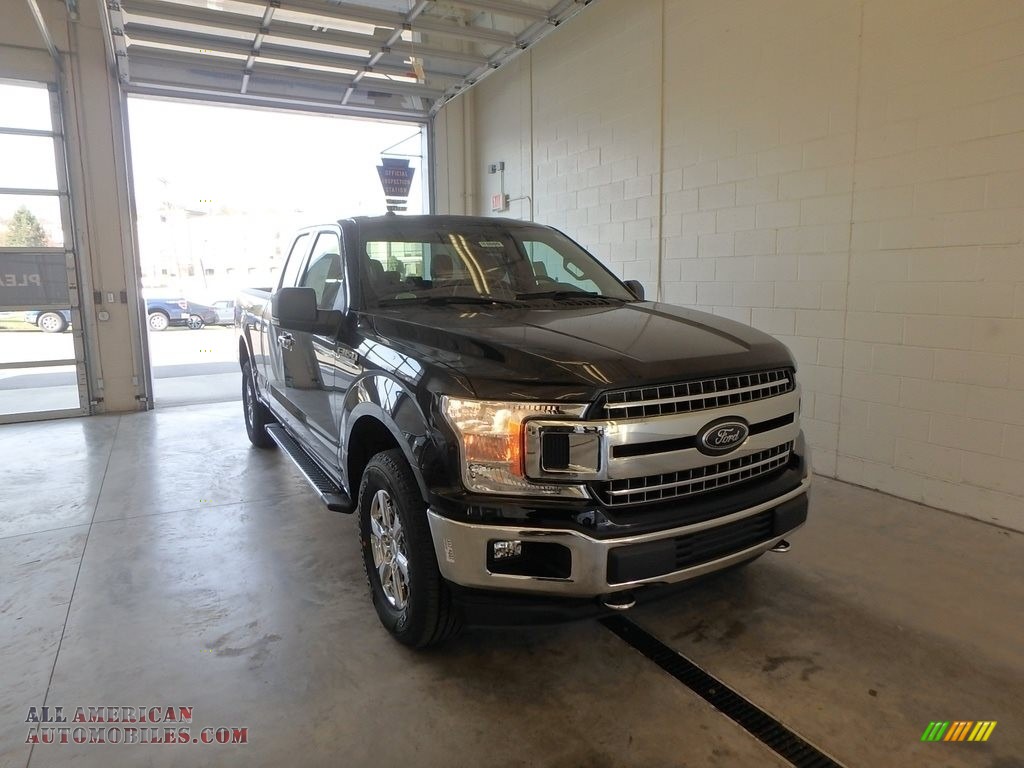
pixel 335 498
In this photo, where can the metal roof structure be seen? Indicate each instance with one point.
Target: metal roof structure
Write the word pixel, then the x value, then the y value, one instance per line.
pixel 383 59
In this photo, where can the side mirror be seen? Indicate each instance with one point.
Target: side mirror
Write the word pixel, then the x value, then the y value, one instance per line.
pixel 295 310
pixel 636 288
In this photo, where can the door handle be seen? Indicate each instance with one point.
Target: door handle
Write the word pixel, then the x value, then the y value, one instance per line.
pixel 285 340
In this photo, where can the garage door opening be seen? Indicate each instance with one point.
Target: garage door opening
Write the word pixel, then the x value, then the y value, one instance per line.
pixel 219 192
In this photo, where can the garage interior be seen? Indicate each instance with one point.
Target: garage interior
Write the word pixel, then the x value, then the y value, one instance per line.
pixel 847 176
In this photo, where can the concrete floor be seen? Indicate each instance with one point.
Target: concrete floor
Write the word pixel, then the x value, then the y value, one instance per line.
pixel 156 559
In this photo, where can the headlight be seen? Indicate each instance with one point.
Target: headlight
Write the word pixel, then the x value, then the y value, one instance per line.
pixel 492 444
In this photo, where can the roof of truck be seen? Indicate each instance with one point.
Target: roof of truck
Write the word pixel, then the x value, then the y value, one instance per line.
pixel 440 219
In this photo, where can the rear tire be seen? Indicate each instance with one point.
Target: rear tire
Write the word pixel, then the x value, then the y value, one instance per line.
pixel 411 598
pixel 256 414
pixel 158 321
pixel 194 323
pixel 52 322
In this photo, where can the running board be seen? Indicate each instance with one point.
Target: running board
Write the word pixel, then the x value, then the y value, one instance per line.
pixel 333 496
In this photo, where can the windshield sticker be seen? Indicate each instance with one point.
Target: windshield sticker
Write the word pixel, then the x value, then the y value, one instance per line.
pixel 491 244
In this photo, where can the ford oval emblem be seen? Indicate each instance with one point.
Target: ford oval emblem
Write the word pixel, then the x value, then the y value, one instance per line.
pixel 722 436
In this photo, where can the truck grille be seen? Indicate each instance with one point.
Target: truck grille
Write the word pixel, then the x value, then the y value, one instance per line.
pixel 688 482
pixel 699 395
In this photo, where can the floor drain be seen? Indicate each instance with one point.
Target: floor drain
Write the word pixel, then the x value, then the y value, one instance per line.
pixel 747 715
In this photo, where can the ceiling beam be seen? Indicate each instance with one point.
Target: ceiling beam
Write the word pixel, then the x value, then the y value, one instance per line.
pixel 475 34
pixel 394 37
pixel 516 10
pixel 145 33
pixel 239 22
pixel 269 101
pixel 392 20
pixel 268 14
pixel 196 63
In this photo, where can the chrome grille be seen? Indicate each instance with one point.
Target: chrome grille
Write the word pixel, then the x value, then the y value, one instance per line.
pixel 698 395
pixel 688 482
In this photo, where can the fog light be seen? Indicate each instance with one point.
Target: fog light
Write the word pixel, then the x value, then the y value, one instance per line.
pixel 502 550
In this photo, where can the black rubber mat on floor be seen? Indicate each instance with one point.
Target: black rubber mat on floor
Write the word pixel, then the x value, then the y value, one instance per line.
pixel 744 713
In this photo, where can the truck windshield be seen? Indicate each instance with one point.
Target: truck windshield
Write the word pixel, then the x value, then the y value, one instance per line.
pixel 477 263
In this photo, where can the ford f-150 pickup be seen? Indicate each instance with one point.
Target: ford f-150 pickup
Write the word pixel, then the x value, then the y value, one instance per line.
pixel 517 431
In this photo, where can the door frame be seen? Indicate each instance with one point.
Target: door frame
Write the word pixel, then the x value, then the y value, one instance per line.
pixel 71 253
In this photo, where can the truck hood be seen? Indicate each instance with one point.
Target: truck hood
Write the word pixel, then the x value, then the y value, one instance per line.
pixel 572 353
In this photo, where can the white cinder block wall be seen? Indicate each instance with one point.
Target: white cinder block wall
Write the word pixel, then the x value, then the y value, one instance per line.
pixel 848 176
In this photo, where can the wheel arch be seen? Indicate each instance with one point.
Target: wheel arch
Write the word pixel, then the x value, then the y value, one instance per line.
pixel 244 354
pixel 379 412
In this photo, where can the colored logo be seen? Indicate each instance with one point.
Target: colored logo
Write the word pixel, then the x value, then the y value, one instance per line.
pixel 722 436
pixel 959 730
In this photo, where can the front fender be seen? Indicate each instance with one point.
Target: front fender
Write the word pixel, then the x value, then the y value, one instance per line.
pixel 387 399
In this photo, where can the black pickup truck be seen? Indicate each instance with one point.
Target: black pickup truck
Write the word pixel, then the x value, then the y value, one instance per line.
pixel 518 431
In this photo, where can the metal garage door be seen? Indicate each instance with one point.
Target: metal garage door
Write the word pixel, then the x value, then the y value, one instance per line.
pixel 383 59
pixel 42 357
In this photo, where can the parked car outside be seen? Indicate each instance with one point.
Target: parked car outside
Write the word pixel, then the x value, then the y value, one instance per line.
pixel 163 313
pixel 50 320
pixel 217 313
pixel 200 315
pixel 225 311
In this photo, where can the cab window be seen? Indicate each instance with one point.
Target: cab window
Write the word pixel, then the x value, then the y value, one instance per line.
pixel 293 266
pixel 323 274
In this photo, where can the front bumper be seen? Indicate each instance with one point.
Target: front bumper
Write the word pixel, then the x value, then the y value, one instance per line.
pixel 602 566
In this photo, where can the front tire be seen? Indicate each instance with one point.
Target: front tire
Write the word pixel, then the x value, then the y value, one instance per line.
pixel 158 321
pixel 411 599
pixel 256 414
pixel 52 322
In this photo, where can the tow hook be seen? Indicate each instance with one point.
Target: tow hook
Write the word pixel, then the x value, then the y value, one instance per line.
pixel 782 546
pixel 619 601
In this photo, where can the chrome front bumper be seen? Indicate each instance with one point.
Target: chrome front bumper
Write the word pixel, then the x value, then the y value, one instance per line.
pixel 462 553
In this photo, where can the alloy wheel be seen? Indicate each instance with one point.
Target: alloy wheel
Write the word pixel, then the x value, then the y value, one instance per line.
pixel 390 556
pixel 250 402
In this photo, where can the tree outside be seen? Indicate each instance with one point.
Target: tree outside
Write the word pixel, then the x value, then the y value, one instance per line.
pixel 24 230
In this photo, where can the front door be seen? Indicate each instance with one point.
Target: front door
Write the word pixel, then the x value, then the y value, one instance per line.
pixel 276 363
pixel 310 362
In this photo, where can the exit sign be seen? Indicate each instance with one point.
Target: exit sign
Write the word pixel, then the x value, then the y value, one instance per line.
pixel 499 202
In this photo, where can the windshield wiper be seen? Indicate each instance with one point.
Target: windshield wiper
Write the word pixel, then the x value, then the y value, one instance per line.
pixel 565 294
pixel 443 300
